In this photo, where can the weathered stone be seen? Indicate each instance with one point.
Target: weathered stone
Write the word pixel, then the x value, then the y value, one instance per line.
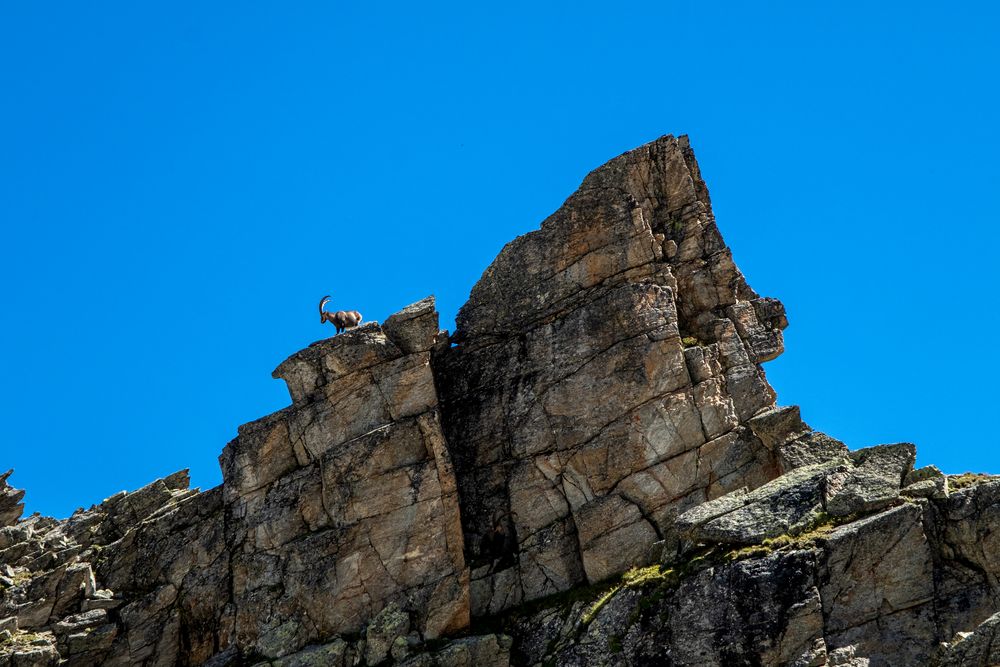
pixel 614 535
pixel 360 507
pixel 926 482
pixel 809 449
pixel 383 630
pixel 35 613
pixel 788 504
pixel 90 646
pixel 78 622
pixel 922 474
pixel 111 519
pixel 602 406
pixel 479 651
pixel 981 648
pixel 414 328
pixel 778 425
pixel 403 647
pixel 755 612
pixel 227 658
pixel 874 482
pixel 846 656
pixel 40 653
pixel 326 655
pixel 77 583
pixel 100 603
pixel 571 393
pixel 174 569
pixel 326 361
pixel 864 594
pixel 928 488
pixel 708 511
pixel 878 579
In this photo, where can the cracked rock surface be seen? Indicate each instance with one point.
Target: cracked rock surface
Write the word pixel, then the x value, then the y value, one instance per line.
pixel 605 371
pixel 592 470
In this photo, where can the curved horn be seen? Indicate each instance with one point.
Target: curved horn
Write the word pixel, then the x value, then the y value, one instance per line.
pixel 322 302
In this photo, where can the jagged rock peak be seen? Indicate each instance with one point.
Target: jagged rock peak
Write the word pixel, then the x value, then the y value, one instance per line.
pixel 644 216
pixel 598 438
pixel 606 369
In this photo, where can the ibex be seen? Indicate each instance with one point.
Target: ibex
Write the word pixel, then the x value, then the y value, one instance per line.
pixel 342 319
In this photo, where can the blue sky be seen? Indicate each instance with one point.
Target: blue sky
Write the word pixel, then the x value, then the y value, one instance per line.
pixel 180 182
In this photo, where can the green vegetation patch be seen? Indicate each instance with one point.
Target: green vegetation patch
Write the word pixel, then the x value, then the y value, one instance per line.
pixel 807 538
pixel 21 577
pixel 636 578
pixel 593 609
pixel 22 638
pixel 969 479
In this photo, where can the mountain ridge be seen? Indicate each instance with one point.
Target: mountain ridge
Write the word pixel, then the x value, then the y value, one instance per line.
pixel 593 469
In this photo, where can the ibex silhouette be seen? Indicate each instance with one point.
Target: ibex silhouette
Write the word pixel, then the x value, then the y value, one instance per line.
pixel 342 319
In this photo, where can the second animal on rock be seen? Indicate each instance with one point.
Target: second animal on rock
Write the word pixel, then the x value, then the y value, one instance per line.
pixel 342 319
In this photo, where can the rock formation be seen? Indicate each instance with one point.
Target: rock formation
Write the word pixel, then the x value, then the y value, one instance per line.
pixel 592 470
pixel 605 370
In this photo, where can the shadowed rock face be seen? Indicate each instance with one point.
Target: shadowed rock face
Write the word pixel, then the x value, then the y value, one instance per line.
pixel 605 370
pixel 601 406
pixel 901 585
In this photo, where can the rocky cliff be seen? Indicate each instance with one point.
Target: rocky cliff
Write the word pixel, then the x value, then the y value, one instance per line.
pixel 592 470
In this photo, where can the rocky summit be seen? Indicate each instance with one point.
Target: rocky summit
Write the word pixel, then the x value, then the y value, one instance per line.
pixel 592 470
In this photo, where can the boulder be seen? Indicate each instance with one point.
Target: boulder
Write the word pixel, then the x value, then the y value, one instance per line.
pixel 414 328
pixel 874 481
pixel 796 445
pixel 789 504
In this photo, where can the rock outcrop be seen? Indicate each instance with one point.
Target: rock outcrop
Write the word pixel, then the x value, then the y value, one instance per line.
pixel 11 506
pixel 606 369
pixel 889 586
pixel 592 470
pixel 346 502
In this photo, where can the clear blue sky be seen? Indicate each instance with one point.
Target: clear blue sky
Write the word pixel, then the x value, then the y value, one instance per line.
pixel 180 182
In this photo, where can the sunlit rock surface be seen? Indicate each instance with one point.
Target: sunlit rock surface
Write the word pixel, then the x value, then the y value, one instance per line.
pixel 592 470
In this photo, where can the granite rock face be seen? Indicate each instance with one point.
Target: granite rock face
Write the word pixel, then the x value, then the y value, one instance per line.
pixel 346 502
pixel 592 470
pixel 605 371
